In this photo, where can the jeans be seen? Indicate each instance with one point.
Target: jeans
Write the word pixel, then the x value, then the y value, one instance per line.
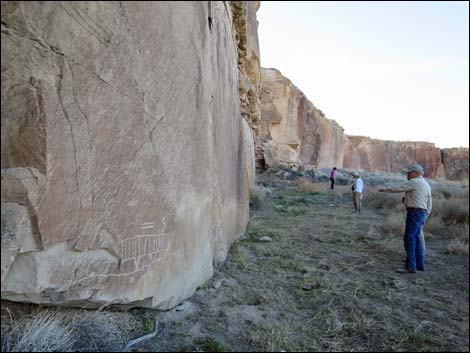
pixel 332 183
pixel 413 241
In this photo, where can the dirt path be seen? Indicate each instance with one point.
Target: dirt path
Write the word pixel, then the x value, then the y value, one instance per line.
pixel 327 281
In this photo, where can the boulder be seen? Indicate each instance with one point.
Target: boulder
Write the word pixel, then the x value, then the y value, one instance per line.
pixel 126 157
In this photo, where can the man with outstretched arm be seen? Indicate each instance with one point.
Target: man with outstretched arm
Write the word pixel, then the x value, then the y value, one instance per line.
pixel 418 202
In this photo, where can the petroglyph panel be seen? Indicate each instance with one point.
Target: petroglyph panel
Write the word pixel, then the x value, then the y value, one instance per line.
pixel 124 109
pixel 137 253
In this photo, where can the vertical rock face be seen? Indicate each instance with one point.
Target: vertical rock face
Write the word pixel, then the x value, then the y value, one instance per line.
pixel 125 158
pixel 455 163
pixel 246 36
pixel 249 74
pixel 390 156
pixel 293 131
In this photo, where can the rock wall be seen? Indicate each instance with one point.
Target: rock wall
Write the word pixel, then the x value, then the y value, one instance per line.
pixel 294 132
pixel 246 35
pixel 249 74
pixel 455 162
pixel 125 157
pixel 369 154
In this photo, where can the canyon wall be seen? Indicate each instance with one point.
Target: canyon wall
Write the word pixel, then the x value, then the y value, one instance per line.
pixel 365 153
pixel 249 72
pixel 455 162
pixel 127 147
pixel 294 132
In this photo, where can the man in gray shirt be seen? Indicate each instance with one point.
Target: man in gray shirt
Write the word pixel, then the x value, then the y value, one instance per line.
pixel 418 202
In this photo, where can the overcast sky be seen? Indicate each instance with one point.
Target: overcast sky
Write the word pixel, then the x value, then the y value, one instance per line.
pixel 392 71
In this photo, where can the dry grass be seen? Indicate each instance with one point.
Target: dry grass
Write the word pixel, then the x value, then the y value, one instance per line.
pixel 257 196
pixel 102 331
pixel 306 185
pixel 46 332
pixel 449 217
pixel 344 190
pixel 452 211
pixel 457 247
pixel 436 226
pixel 393 224
pixel 382 200
pixel 459 231
pixel 70 330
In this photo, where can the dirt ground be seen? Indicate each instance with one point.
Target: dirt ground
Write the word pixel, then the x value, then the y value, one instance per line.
pixel 326 282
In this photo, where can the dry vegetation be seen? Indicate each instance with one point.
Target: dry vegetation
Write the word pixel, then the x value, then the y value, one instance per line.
pixel 449 219
pixel 67 330
pixel 306 185
pixel 326 282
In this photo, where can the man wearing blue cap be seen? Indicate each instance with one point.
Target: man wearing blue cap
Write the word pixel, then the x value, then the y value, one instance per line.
pixel 418 202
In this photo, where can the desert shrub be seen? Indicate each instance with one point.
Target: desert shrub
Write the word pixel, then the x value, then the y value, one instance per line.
pixel 382 200
pixel 457 247
pixel 306 185
pixel 45 332
pixel 447 194
pixel 451 211
pixel 256 200
pixel 435 225
pixel 274 169
pixel 458 231
pixel 70 330
pixel 257 196
pixel 102 331
pixel 393 224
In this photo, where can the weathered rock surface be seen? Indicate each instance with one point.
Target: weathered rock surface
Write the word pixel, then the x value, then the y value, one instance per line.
pixel 369 154
pixel 125 157
pixel 294 132
pixel 249 73
pixel 455 163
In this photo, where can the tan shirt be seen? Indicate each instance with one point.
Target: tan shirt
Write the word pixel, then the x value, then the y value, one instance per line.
pixel 418 193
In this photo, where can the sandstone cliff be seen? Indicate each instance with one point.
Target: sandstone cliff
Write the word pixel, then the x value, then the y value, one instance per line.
pixel 455 162
pixel 249 74
pixel 294 132
pixel 365 153
pixel 126 157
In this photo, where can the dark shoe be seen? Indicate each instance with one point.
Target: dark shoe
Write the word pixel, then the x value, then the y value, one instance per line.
pixel 404 270
pixel 420 269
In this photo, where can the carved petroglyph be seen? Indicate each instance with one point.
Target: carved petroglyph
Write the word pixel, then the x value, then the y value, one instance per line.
pixel 98 120
pixel 137 253
pixel 143 247
pixel 148 225
pixel 132 203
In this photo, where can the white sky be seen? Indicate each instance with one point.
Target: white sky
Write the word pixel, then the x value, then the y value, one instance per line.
pixel 392 71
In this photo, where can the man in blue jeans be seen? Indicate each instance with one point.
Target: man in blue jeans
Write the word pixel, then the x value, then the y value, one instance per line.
pixel 418 202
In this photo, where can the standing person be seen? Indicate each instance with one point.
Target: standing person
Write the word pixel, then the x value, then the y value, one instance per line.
pixel 333 178
pixel 418 202
pixel 421 234
pixel 357 188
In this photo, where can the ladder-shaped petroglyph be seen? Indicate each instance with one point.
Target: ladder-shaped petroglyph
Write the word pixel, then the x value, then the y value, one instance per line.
pixel 137 253
pixel 142 251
